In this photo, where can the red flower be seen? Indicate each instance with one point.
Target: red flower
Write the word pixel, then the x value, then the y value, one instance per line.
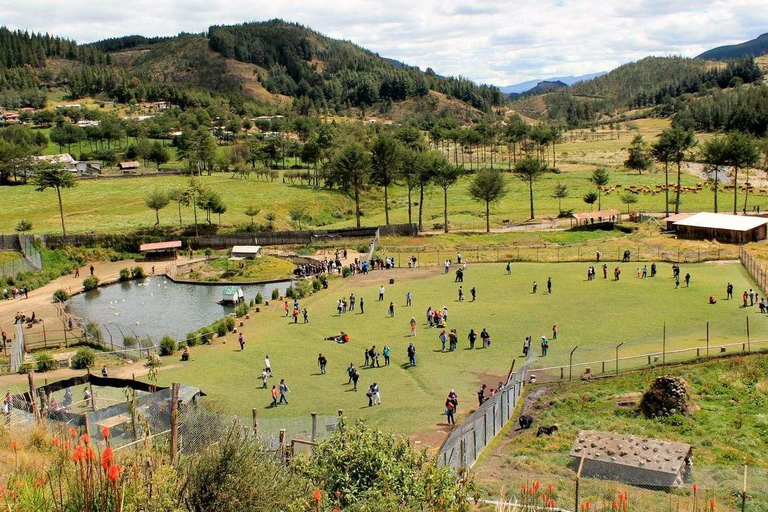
pixel 551 503
pixel 317 495
pixel 107 457
pixel 85 439
pixel 55 441
pixel 14 445
pixel 114 473
pixel 78 454
pixel 105 433
pixel 695 487
pixel 712 504
pixel 536 485
pixel 550 487
pixel 73 432
pixel 615 505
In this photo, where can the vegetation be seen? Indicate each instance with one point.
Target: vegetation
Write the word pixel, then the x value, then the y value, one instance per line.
pixel 168 346
pixel 84 358
pixel 55 177
pixel 90 283
pixel 125 274
pixel 61 295
pixel 44 362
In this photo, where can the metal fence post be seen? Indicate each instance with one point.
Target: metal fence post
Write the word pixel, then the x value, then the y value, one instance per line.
pixel 174 421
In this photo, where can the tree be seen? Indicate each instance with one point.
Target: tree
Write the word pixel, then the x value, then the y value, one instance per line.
pixel 714 153
pixel 529 169
pixel 180 196
pixel 252 211
pixel 350 170
pixel 662 153
pixel 742 153
pixel 446 176
pixel 57 177
pixel 638 158
pixel 488 186
pixel 23 226
pixel 298 213
pixel 385 158
pixel 158 154
pixel 628 198
pixel 590 198
pixel 600 177
pixel 560 193
pixel 157 200
pixel 679 142
pixel 194 190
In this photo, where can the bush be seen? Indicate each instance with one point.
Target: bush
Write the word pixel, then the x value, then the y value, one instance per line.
pixel 208 252
pixel 26 367
pixel 220 328
pixel 363 249
pixel 241 310
pixel 138 272
pixel 316 284
pixel 206 335
pixel 44 362
pixel 345 272
pixel 130 341
pixel 125 274
pixel 252 303
pixel 90 283
pixel 84 358
pixel 229 322
pixel 289 292
pixel 275 294
pixel 167 346
pixel 191 339
pixel 61 295
pixel 259 298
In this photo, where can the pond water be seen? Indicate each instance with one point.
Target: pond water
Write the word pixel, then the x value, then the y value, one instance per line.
pixel 156 306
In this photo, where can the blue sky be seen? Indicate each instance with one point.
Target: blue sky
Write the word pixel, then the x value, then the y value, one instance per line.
pixel 499 42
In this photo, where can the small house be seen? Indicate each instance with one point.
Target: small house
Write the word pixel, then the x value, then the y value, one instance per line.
pixel 161 250
pixel 600 219
pixel 64 159
pixel 132 165
pixel 634 460
pixel 723 228
pixel 88 167
pixel 245 252
pixel 232 295
pixel 670 221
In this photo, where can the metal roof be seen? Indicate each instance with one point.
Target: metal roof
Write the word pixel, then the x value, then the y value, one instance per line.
pixel 722 221
pixel 246 249
pixel 634 451
pixel 160 245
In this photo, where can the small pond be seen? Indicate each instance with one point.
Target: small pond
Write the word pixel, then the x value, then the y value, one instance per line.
pixel 156 306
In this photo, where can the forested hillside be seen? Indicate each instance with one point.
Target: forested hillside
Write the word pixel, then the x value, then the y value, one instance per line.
pixel 754 48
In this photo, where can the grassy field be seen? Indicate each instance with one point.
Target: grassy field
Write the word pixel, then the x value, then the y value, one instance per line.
pixel 265 268
pixel 118 204
pixel 727 430
pixel 594 315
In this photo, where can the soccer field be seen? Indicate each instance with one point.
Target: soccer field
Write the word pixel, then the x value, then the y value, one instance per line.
pixel 595 315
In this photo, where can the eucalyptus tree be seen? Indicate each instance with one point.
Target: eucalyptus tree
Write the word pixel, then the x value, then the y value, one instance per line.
pixel 530 170
pixel 488 186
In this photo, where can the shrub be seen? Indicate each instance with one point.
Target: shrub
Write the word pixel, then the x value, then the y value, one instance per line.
pixel 90 283
pixel 208 252
pixel 251 304
pixel 316 284
pixel 220 328
pixel 84 358
pixel 241 310
pixel 167 346
pixel 44 362
pixel 61 295
pixel 275 294
pixel 138 272
pixel 206 335
pixel 26 367
pixel 345 272
pixel 192 339
pixel 363 249
pixel 289 292
pixel 130 341
pixel 125 274
pixel 229 322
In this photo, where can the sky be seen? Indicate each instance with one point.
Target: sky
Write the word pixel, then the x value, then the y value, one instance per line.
pixel 489 41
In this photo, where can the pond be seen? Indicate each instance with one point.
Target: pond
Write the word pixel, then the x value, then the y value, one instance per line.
pixel 156 306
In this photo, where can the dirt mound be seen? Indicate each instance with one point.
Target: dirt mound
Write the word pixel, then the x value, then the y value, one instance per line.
pixel 666 397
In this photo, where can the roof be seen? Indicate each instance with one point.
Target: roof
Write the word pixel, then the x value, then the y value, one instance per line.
pixel 677 217
pixel 157 246
pixel 599 214
pixel 722 221
pixel 129 165
pixel 63 158
pixel 246 249
pixel 230 290
pixel 638 452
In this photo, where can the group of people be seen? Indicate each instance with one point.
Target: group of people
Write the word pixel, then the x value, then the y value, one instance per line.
pixel 294 313
pixel 15 293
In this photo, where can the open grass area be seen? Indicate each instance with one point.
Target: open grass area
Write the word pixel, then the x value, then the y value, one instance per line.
pixel 264 268
pixel 728 430
pixel 594 315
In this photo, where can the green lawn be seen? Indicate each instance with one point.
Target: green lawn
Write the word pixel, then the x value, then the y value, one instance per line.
pixel 594 315
pixel 264 268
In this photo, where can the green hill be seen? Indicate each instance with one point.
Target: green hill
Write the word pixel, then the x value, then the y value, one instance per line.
pixel 753 48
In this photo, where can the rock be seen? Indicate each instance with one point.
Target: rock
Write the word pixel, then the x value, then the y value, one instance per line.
pixel 667 396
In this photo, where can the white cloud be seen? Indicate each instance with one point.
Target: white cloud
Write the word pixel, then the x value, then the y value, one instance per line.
pixel 494 41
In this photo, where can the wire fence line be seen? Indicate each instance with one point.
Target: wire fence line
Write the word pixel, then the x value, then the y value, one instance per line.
pixel 754 268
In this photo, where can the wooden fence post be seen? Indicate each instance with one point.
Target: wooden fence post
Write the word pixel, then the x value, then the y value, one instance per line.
pixel 314 426
pixel 32 397
pixel 86 425
pixel 281 442
pixel 255 415
pixel 174 421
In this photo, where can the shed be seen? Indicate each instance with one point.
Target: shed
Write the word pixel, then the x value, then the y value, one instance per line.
pixel 674 218
pixel 723 228
pixel 232 295
pixel 632 459
pixel 600 219
pixel 125 166
pixel 249 252
pixel 159 250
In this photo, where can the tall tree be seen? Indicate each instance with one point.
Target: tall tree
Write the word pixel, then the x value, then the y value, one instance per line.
pixel 350 170
pixel 57 177
pixel 679 141
pixel 251 212
pixel 600 177
pixel 714 153
pixel 529 170
pixel 157 200
pixel 488 186
pixel 385 158
pixel 628 198
pixel 590 198
pixel 446 176
pixel 742 153
pixel 560 193
pixel 181 197
pixel 638 157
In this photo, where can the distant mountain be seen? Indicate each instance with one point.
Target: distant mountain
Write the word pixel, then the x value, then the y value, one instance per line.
pixel 754 48
pixel 530 84
pixel 541 88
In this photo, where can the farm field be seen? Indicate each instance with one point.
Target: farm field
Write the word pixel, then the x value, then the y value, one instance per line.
pixel 594 315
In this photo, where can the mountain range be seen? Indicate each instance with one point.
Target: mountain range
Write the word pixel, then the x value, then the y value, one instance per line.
pixel 752 48
pixel 530 84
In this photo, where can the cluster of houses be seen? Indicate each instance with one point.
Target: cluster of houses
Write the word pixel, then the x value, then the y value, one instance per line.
pixel 83 168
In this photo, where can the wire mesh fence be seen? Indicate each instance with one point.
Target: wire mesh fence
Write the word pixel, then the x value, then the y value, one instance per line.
pixel 754 268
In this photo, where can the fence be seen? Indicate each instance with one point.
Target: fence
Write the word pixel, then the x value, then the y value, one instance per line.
pixel 463 446
pixel 754 267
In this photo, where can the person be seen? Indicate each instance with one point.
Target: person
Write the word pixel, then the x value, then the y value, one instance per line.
pixel 535 286
pixel 413 326
pixel 473 292
pixel 617 273
pixel 5 338
pixel 412 354
pixel 153 270
pixel 241 341
pixel 267 365
pixel 370 393
pixel 509 267
pixel 92 269
pixel 454 399
pixel 712 300
pixel 362 306
pixel 554 332
pixel 381 292
pixel 653 270
pixel 264 377
pixel 443 339
pixel 459 276
pixel 322 361
pixel 283 390
pixel 677 280
pixel 751 297
pixel 367 355
pixel 66 404
pixel 376 394
pixel 104 371
pixel 481 395
pixel 687 279
pixel 447 266
pixel 185 354
pixel 645 271
pixel 445 313
pixel 285 307
pixel 597 257
pixel 729 291
pixel 391 309
pixel 526 346
pixel 7 407
pixel 605 271
pixel 453 340
pixel 744 298
pixel 352 300
pixel 350 371
pixel 458 258
pixel 306 316
pixel 472 337
pixel 486 338
pixel 385 352
pixel 461 294
pixel 87 397
pixel 544 345
pixel 549 285
pixel 275 394
pixel 77 273
pixel 449 410
pixel 295 315
pixel 355 379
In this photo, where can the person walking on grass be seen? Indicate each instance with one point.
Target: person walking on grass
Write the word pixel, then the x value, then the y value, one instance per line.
pixel 241 341
pixel 385 352
pixel 549 285
pixel 264 379
pixel 473 292
pixel 362 306
pixel 751 297
pixel 461 294
pixel 322 361
pixel 267 365
pixel 449 411
pixel 413 326
pixel 554 332
pixel 391 309
pixel 350 371
pixel 729 291
pixel 486 338
pixel 352 300
pixel 306 316
pixel 295 315
pixel 381 292
pixel 544 345
pixel 535 287
pixel 445 313
pixel 472 337
pixel 411 354
pixel 283 390
pixel 408 299
pixel 275 394
pixel 526 346
pixel 453 340
pixel 509 267
pixel 687 279
pixel 443 339
pixel 677 281
pixel 355 379
pixel 285 307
